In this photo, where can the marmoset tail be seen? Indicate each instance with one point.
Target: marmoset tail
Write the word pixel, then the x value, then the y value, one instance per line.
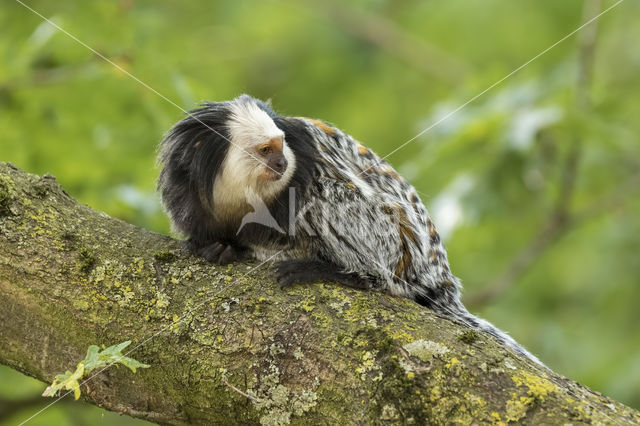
pixel 241 181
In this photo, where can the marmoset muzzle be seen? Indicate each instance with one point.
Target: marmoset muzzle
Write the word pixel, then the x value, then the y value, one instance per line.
pixel 275 168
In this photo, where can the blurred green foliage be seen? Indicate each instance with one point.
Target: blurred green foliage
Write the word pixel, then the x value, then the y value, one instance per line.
pixel 491 174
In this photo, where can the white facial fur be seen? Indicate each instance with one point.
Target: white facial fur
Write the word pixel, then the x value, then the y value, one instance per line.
pixel 249 126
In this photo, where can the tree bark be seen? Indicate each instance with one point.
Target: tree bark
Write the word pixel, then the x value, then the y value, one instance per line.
pixel 226 345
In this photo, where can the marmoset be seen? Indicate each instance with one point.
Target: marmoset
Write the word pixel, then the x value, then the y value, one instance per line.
pixel 241 181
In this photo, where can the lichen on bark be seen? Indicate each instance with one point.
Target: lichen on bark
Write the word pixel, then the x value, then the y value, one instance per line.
pixel 226 344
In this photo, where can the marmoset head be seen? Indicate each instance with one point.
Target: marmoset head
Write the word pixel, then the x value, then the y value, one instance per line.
pixel 218 153
pixel 258 152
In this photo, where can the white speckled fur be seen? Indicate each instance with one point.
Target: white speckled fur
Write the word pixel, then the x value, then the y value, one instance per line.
pixel 346 208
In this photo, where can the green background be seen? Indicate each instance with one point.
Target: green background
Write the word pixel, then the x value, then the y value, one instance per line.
pixel 491 174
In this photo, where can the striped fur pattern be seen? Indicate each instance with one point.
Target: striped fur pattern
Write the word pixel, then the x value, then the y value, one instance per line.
pixel 347 215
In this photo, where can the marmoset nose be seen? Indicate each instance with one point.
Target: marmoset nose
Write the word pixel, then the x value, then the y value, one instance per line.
pixel 280 165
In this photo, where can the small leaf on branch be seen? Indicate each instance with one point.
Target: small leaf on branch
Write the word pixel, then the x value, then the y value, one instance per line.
pixel 94 359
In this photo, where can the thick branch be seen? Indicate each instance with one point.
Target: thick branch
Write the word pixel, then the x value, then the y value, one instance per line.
pixel 226 345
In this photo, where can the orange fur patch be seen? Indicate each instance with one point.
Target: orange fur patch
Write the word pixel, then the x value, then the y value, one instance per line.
pixel 321 125
pixel 325 127
pixel 433 232
pixel 431 228
pixel 389 171
pixel 386 210
pixel 432 255
pixel 405 260
pixel 407 232
pixel 274 143
pixel 406 235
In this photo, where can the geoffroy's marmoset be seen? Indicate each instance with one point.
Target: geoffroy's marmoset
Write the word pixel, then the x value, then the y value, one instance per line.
pixel 241 181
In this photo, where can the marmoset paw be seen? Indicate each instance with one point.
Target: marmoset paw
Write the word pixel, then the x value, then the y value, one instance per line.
pixel 221 253
pixel 212 252
pixel 290 272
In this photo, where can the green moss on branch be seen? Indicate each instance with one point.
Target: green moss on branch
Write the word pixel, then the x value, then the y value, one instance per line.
pixel 227 343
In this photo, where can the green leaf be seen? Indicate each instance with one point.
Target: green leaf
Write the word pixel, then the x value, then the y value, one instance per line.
pixel 91 360
pixel 132 364
pixel 94 359
pixel 67 381
pixel 115 349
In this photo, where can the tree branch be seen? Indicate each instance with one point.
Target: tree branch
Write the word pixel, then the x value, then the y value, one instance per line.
pixel 226 345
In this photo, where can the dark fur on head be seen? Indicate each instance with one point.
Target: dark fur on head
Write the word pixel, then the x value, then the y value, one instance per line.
pixel 191 155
